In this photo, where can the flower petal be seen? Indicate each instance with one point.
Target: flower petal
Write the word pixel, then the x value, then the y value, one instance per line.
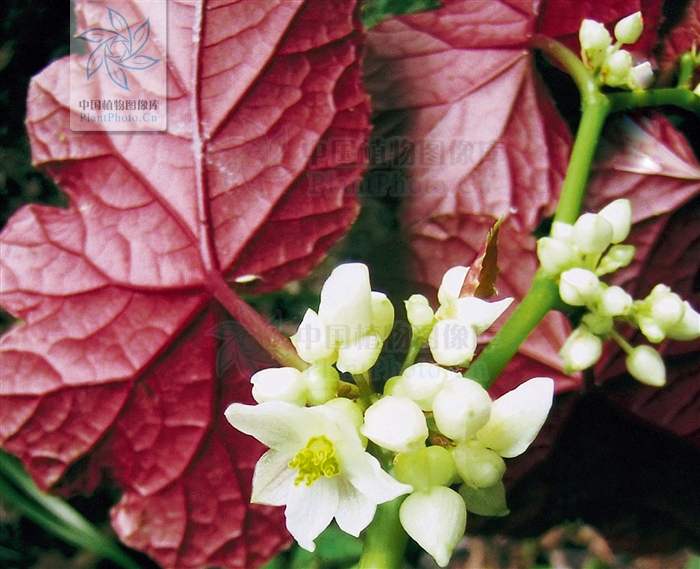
pixel 311 509
pixel 273 480
pixel 480 314
pixel 451 284
pixel 355 510
pixel 517 417
pixel 276 424
pixel 363 471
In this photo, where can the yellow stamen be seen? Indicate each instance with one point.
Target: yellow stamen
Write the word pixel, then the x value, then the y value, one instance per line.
pixel 316 459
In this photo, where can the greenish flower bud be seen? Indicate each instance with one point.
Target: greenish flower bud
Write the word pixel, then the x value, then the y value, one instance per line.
pixel 645 364
pixel 479 467
pixel 578 287
pixel 616 68
pixel 598 323
pixel 425 468
pixel 592 233
pixel 628 30
pixel 667 310
pixel 617 257
pixel 419 312
pixel 581 350
pixel 595 40
pixel 321 383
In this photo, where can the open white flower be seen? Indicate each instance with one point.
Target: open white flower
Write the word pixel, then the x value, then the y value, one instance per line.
pixel 459 320
pixel 351 325
pixel 316 466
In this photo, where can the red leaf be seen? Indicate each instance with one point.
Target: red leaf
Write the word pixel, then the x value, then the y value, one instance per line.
pixel 112 373
pixel 684 35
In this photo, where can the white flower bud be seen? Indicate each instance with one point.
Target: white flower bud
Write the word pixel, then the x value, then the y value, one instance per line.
pixel 697 90
pixel 349 409
pixel 382 315
pixel 578 287
pixel 629 29
pixel 562 231
pixel 645 364
pixel 595 40
pixel 667 310
pixel 479 467
pixel 617 257
pixel 436 520
pixel 419 313
pixel 619 214
pixel 614 301
pixel 641 76
pixel 311 341
pixel 451 285
pixel 555 256
pixel 517 417
pixel 581 350
pixel 421 382
pixel 346 302
pixel 650 328
pixel 592 233
pixel 358 356
pixel 461 408
pixel 480 314
pixel 321 382
pixel 452 342
pixel 616 68
pixel 279 384
pixel 688 327
pixel 396 423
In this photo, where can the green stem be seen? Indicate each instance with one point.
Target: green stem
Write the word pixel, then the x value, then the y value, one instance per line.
pixel 418 339
pixel 364 384
pixel 384 540
pixel 679 97
pixel 544 294
pixel 539 300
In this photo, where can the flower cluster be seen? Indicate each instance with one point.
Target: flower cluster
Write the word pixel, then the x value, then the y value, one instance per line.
pixel 612 65
pixel 468 437
pixel 575 256
pixel 432 428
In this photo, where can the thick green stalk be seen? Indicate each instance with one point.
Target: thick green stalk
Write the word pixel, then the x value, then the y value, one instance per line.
pixel 385 540
pixel 679 97
pixel 544 295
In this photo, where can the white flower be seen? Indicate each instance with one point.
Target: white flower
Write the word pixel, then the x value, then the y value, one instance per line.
pixel 452 342
pixel 351 325
pixel 614 301
pixel 436 519
pixel 641 76
pixel 418 311
pixel 395 423
pixel 593 233
pixel 279 384
pixel 619 214
pixel 688 327
pixel 316 466
pixel 617 68
pixel 517 417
